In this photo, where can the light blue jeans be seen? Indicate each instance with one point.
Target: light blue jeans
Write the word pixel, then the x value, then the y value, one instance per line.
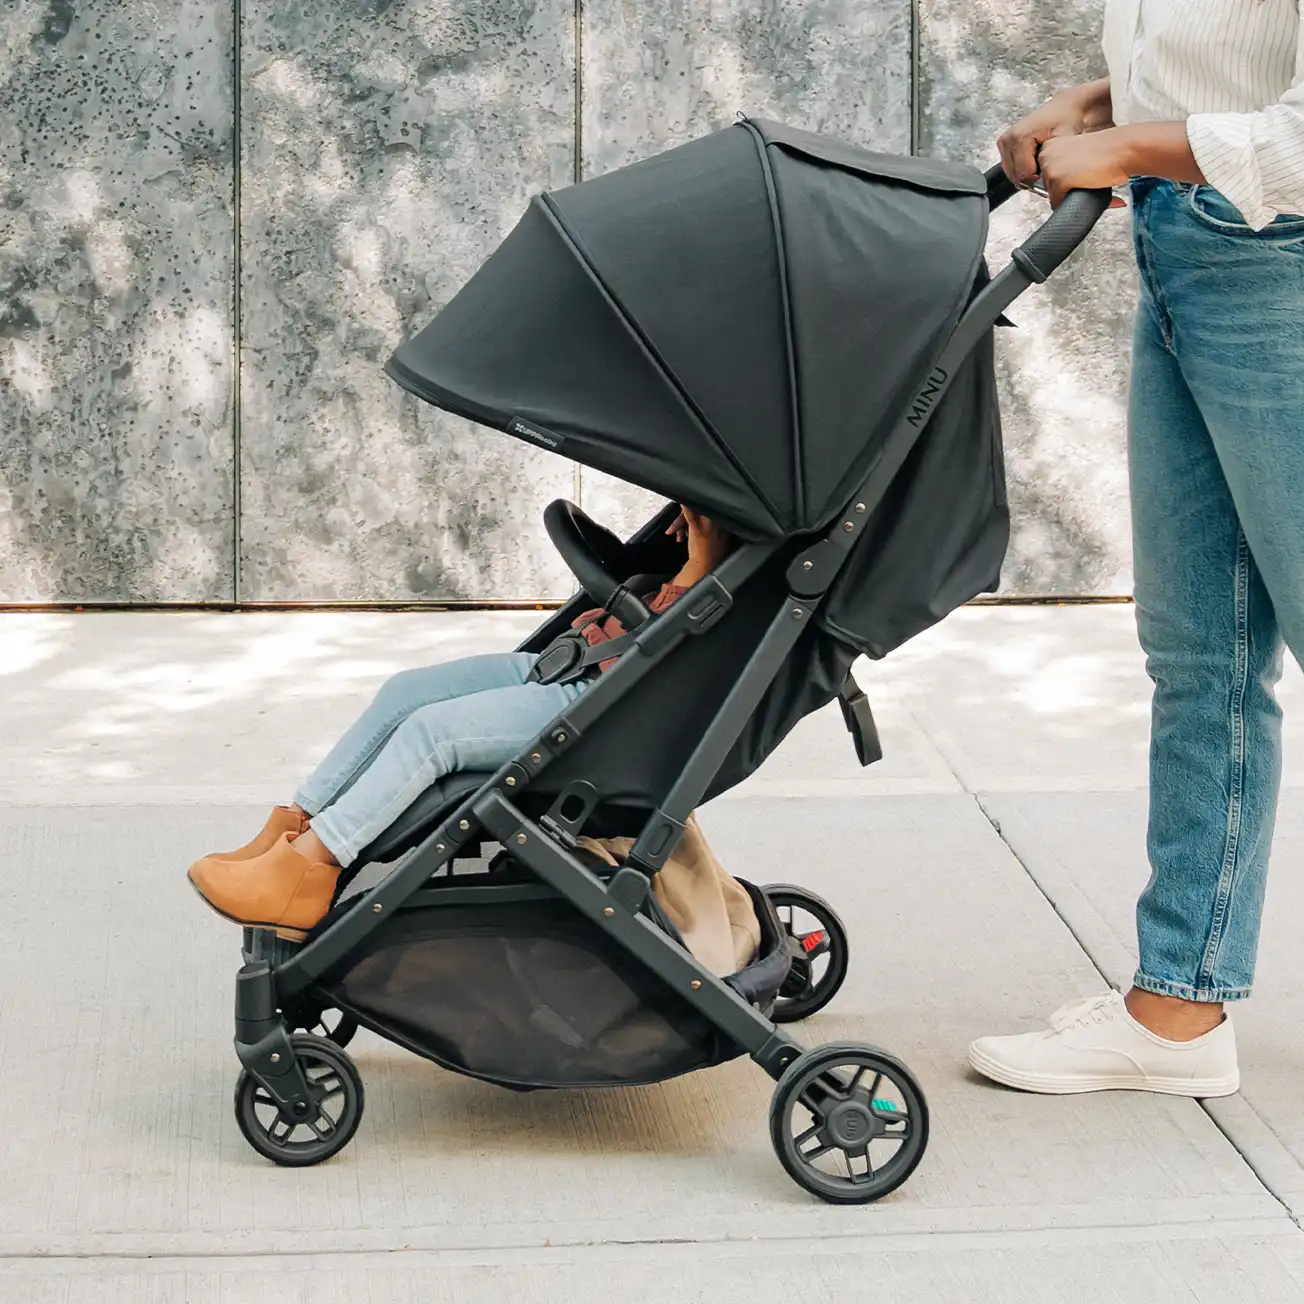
pixel 473 714
pixel 1217 468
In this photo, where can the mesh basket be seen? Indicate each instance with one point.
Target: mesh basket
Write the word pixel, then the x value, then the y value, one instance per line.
pixel 533 994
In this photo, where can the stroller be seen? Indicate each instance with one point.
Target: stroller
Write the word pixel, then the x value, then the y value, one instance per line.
pixel 794 336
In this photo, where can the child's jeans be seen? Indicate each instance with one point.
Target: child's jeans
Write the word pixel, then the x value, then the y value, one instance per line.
pixel 474 714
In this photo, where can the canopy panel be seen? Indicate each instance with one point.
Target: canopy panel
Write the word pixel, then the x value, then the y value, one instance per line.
pixel 882 254
pixel 733 323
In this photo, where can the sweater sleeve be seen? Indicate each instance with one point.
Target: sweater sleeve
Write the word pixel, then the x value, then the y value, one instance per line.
pixel 1256 160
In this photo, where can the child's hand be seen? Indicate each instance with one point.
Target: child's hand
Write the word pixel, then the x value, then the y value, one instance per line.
pixel 708 546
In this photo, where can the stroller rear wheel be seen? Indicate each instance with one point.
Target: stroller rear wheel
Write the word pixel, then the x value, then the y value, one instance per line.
pixel 337 1100
pixel 820 952
pixel 848 1122
pixel 334 1025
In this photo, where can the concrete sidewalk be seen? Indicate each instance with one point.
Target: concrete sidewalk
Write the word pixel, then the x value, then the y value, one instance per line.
pixel 986 870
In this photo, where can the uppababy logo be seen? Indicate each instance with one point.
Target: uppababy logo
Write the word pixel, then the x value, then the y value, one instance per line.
pixel 926 397
pixel 532 432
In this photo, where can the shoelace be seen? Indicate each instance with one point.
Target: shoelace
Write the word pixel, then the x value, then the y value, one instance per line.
pixel 1090 1009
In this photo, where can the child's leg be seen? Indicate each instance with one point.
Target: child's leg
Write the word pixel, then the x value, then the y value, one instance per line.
pixel 399 696
pixel 289 888
pixel 478 732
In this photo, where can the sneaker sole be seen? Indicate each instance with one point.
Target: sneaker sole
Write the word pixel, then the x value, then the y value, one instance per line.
pixel 1046 1085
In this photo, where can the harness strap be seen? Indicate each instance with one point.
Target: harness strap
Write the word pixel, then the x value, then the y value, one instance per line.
pixel 569 657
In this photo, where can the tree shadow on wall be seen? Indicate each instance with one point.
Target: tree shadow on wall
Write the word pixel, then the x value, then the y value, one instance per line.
pixel 1064 373
pixel 387 151
pixel 115 305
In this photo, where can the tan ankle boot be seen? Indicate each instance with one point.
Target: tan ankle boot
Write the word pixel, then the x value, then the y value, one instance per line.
pixel 283 819
pixel 280 889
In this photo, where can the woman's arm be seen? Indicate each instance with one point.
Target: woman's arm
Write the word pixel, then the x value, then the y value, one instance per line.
pixel 1113 157
pixel 1255 159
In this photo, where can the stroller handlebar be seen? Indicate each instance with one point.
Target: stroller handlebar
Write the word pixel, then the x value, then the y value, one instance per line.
pixel 1057 237
pixel 1000 189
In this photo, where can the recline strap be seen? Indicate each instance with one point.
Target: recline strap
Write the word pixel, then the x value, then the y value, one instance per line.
pixel 860 721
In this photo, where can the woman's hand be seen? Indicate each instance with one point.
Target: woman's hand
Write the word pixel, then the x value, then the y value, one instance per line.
pixel 1073 112
pixel 1112 158
pixel 1098 162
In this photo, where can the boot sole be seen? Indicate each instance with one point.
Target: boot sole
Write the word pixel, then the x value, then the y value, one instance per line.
pixel 285 934
pixel 1046 1085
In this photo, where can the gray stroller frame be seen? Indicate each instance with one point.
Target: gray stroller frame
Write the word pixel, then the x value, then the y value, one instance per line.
pixel 849 1123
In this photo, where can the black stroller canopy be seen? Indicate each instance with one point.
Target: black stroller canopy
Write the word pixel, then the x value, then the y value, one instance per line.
pixel 735 323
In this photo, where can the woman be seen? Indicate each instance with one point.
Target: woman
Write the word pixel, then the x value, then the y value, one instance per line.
pixel 1203 113
pixel 473 714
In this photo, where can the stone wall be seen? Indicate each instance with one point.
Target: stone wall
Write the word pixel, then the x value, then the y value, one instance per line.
pixel 216 220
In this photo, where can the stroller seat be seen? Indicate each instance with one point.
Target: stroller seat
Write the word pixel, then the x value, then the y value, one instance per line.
pixel 793 336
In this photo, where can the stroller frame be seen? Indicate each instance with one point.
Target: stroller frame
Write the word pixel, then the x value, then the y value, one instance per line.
pixel 271 1057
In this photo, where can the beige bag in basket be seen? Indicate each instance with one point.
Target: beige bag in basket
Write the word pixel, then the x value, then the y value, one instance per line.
pixel 712 911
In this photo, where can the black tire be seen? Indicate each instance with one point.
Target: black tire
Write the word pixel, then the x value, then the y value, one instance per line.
pixel 332 1025
pixel 870 1138
pixel 811 985
pixel 331 1075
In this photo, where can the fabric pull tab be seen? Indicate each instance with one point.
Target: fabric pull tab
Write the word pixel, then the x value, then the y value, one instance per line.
pixel 859 720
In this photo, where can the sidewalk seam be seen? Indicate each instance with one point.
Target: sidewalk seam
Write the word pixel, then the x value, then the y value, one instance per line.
pixel 1230 1132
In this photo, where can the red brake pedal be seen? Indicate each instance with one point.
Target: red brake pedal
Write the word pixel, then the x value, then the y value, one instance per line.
pixel 812 941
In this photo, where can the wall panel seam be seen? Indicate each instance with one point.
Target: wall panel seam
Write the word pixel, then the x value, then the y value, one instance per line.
pixel 237 278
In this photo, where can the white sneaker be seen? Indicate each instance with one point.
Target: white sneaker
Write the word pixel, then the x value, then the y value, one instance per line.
pixel 1096 1045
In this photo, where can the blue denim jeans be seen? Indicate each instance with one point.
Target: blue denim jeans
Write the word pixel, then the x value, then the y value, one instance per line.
pixel 1216 437
pixel 473 714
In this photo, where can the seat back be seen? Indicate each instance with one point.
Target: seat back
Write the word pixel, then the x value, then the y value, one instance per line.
pixel 636 749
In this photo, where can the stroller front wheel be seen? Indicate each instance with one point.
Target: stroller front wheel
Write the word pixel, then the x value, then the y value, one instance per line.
pixel 849 1123
pixel 337 1100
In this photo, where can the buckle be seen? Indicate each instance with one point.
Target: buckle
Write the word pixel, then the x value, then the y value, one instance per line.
pixel 558 662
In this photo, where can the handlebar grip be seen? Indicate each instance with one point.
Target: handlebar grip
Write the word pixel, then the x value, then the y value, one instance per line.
pixel 1057 237
pixel 999 187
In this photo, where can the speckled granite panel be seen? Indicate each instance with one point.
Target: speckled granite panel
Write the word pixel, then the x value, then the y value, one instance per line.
pixel 983 63
pixel 657 75
pixel 388 146
pixel 116 239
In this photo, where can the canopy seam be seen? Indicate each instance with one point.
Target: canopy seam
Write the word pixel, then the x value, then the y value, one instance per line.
pixel 586 261
pixel 776 224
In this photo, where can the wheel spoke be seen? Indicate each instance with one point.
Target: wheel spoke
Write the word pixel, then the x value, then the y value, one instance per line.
pixel 801 1140
pixel 868 1174
pixel 861 1070
pixel 263 1097
pixel 329 1084
pixel 323 1125
pixel 280 1131
pixel 815 1151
